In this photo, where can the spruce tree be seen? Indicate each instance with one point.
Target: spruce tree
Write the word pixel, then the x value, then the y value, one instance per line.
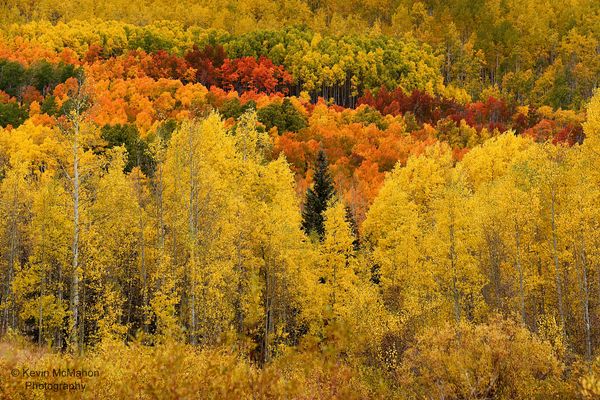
pixel 317 198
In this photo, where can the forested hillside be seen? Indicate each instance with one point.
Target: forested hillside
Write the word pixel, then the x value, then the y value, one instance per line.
pixel 301 199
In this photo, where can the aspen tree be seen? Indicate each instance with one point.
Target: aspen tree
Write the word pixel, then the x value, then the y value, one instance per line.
pixel 72 129
pixel 553 177
pixel 252 147
pixel 14 211
pixel 392 232
pixel 279 246
pixel 113 259
pixel 198 189
pixel 338 259
pixel 41 283
pixel 452 242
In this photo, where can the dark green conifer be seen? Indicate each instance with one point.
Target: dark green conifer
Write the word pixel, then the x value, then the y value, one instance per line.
pixel 317 198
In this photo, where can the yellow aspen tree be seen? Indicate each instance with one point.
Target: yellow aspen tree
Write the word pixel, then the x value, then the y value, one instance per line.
pixel 392 233
pixel 112 256
pixel 279 246
pixel 553 191
pixel 42 283
pixel 163 278
pixel 251 146
pixel 175 216
pixel 393 240
pixel 396 230
pixel 580 222
pixel 494 158
pixel 337 261
pixel 353 313
pixel 451 243
pixel 198 175
pixel 520 207
pixel 15 205
pixel 504 184
pixel 75 118
pixel 78 163
pixel 591 126
pixel 588 179
pixel 147 255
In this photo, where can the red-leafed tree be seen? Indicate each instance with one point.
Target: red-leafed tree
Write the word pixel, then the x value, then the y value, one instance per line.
pixel 550 130
pixel 570 135
pixel 207 62
pixel 542 131
pixel 425 107
pixel 491 114
pixel 251 74
pixel 164 65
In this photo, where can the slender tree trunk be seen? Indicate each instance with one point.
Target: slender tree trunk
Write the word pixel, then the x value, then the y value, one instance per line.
pixel 557 268
pixel 161 214
pixel 520 270
pixel 175 236
pixel 8 294
pixel 41 311
pixel 268 310
pixel 43 280
pixel 542 292
pixel 452 256
pixel 239 311
pixel 75 247
pixel 494 255
pixel 142 240
pixel 58 333
pixel 334 286
pixel 266 350
pixel 82 314
pixel 10 310
pixel 41 299
pixel 586 299
pixel 192 233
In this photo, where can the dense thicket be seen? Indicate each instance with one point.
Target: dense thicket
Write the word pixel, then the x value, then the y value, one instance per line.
pixel 406 211
pixel 535 52
pixel 209 250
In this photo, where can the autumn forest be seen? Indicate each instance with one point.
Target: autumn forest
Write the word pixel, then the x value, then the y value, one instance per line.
pixel 300 199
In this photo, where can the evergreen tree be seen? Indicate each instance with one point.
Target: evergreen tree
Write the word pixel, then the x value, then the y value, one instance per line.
pixel 317 198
